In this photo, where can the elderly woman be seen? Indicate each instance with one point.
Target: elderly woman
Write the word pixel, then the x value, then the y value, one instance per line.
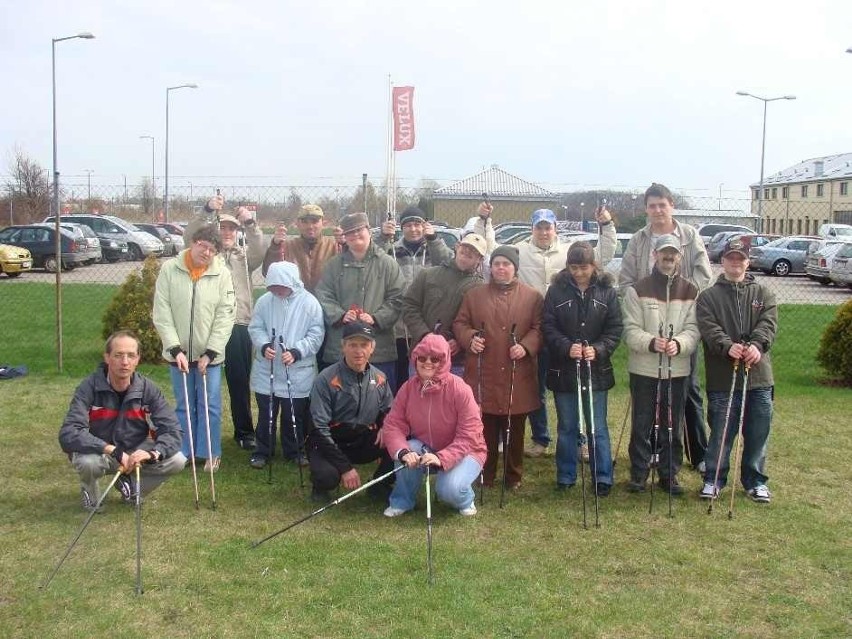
pixel 434 423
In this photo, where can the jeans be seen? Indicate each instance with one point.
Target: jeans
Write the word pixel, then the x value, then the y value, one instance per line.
pixel 758 417
pixel 539 432
pixel 452 486
pixel 91 467
pixel 195 390
pixel 642 444
pixel 568 437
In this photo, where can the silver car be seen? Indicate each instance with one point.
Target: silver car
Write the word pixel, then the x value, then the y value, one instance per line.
pixel 781 257
pixel 820 257
pixel 841 267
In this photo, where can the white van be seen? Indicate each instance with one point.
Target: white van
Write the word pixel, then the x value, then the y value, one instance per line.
pixel 839 231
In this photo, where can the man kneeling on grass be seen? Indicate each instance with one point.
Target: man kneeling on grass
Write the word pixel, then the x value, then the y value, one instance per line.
pixel 119 419
pixel 349 401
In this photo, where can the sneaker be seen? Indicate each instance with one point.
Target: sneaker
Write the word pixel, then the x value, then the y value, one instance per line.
pixel 320 496
pixel 257 461
pixel 760 494
pixel 302 461
pixel 636 486
pixel 212 463
pixel 710 491
pixel 603 489
pixel 701 468
pixel 514 487
pixel 470 511
pixel 247 442
pixel 125 487
pixel 88 503
pixel 562 487
pixel 584 452
pixel 536 450
pixel 390 511
pixel 676 488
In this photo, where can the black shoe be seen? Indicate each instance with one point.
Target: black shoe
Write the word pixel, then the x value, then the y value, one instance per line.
pixel 560 487
pixel 125 487
pixel 635 486
pixel 88 503
pixel 603 489
pixel 257 461
pixel 320 496
pixel 380 492
pixel 247 442
pixel 676 488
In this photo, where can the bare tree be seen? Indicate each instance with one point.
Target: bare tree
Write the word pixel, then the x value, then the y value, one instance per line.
pixel 29 188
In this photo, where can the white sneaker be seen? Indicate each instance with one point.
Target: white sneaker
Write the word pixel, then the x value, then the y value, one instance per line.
pixel 390 511
pixel 709 491
pixel 470 511
pixel 760 494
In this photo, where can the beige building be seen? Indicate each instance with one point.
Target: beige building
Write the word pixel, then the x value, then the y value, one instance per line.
pixel 513 198
pixel 797 200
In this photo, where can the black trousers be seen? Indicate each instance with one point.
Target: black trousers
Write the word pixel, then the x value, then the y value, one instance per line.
pixel 642 441
pixel 696 431
pixel 291 446
pixel 237 372
pixel 402 363
pixel 325 476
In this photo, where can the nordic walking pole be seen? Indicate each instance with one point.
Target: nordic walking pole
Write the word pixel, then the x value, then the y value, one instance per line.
pixel 209 443
pixel 139 589
pixel 330 505
pixel 593 442
pixel 480 333
pixel 581 417
pixel 623 425
pixel 669 419
pixel 428 472
pixel 189 435
pixel 724 436
pixel 292 416
pixel 271 424
pixel 508 422
pixel 80 532
pixel 737 458
pixel 655 431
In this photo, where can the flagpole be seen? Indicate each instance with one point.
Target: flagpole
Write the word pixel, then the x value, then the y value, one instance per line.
pixel 389 155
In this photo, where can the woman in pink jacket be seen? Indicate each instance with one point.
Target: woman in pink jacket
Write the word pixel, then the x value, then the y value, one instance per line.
pixel 434 422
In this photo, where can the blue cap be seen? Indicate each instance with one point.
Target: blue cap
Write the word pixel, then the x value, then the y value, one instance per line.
pixel 543 215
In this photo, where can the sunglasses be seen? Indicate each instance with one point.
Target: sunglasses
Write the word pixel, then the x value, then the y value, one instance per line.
pixel 422 359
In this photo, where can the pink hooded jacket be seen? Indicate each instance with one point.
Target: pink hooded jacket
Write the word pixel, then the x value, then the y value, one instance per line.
pixel 441 412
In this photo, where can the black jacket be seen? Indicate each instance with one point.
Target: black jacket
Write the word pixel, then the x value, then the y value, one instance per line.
pixel 572 316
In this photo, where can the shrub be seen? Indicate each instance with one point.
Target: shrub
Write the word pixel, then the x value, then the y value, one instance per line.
pixel 131 308
pixel 835 347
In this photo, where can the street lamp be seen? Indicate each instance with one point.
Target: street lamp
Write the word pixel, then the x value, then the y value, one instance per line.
pixel 153 186
pixel 89 189
pixel 166 197
pixel 85 35
pixel 763 147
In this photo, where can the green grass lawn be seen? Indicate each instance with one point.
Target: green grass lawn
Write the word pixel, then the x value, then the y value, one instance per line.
pixel 528 570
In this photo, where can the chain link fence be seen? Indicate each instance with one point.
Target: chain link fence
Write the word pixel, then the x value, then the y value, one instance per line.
pixel 28 306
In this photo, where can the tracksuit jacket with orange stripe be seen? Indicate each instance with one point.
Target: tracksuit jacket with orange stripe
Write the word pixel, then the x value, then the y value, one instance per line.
pixel 97 417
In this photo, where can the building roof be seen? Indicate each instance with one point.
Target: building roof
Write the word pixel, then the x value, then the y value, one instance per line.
pixel 828 167
pixel 498 184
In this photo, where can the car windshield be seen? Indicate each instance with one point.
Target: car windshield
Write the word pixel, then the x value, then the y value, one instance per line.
pixel 777 242
pixel 846 232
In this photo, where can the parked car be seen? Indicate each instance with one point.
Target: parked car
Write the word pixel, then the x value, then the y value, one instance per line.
pixel 89 243
pixel 449 235
pixel 40 241
pixel 781 257
pixel 841 267
pixel 838 231
pixel 821 254
pixel 139 243
pixel 614 265
pixel 754 240
pixel 509 229
pixel 14 260
pixel 717 244
pixel 707 231
pixel 174 229
pixel 172 243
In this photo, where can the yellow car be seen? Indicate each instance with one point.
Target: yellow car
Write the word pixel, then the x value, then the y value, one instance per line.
pixel 14 260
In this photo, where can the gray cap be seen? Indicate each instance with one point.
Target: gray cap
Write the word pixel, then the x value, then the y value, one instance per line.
pixel 668 241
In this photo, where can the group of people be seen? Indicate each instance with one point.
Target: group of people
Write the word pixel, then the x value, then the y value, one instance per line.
pixel 400 352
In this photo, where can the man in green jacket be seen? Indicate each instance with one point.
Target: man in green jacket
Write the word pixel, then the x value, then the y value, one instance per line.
pixel 362 284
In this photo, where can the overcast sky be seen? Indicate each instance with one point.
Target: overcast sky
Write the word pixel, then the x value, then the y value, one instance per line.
pixel 568 94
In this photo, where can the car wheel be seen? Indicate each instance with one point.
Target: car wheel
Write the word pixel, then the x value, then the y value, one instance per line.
pixel 824 281
pixel 781 268
pixel 68 267
pixel 15 274
pixel 50 264
pixel 135 253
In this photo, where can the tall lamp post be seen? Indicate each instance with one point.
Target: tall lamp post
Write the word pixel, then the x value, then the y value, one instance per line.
pixel 88 190
pixel 84 35
pixel 763 148
pixel 166 196
pixel 153 186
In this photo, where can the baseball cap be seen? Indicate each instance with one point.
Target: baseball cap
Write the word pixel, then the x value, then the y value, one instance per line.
pixel 475 241
pixel 667 241
pixel 543 215
pixel 358 329
pixel 735 245
pixel 225 217
pixel 310 210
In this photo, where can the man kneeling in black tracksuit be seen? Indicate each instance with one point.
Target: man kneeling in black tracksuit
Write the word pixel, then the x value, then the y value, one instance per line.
pixel 349 401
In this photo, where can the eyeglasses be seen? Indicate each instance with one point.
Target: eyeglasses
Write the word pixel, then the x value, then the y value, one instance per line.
pixel 422 359
pixel 207 248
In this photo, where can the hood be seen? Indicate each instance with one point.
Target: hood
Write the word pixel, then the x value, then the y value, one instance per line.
pixel 602 279
pixel 284 274
pixel 434 345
